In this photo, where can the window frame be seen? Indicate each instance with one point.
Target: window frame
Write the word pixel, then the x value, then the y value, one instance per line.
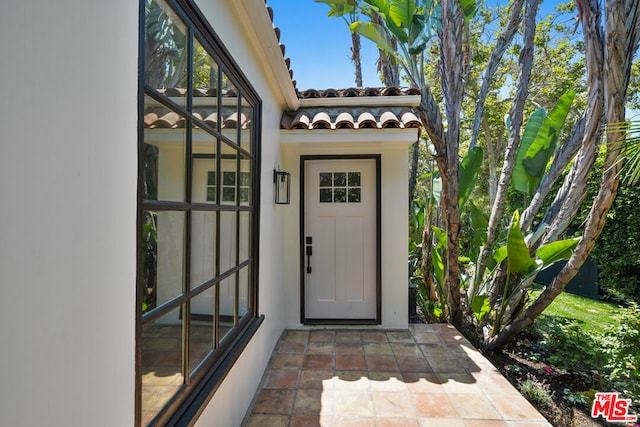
pixel 199 387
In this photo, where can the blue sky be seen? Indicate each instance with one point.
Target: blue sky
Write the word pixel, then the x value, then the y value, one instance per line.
pixel 319 46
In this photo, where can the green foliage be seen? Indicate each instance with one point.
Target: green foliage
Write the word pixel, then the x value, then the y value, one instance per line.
pixel 520 177
pixel 622 348
pixel 468 174
pixel 538 144
pixel 571 348
pixel 535 391
pixel 518 258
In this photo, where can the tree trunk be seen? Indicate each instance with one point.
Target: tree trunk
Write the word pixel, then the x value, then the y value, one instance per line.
pixel 516 114
pixel 454 71
pixel 502 43
pixel 355 57
pixel 621 39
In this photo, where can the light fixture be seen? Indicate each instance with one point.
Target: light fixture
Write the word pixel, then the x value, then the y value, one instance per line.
pixel 282 181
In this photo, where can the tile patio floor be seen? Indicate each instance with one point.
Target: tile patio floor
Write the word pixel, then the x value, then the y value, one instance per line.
pixel 429 375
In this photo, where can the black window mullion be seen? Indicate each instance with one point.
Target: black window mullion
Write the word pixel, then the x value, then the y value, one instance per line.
pixel 186 329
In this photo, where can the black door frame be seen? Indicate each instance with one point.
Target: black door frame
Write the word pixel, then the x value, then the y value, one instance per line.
pixel 378 178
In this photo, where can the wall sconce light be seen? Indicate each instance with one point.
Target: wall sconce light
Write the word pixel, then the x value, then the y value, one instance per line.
pixel 282 181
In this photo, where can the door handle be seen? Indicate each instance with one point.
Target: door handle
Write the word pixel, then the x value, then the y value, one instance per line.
pixel 309 252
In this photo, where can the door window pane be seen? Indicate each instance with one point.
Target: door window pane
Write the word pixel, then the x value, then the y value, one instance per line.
pixel 340 187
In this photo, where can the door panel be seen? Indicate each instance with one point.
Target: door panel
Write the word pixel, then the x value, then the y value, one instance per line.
pixel 340 217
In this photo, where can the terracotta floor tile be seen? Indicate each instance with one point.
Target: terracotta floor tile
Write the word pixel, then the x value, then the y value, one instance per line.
pixel 445 364
pixel 434 350
pixel 350 362
pixel 422 382
pixel 400 336
pixel 387 381
pixel 426 376
pixel 316 378
pixel 458 383
pixel 377 348
pixel 274 402
pixel 341 421
pixel 313 402
pixel 392 404
pixel 262 420
pixel 397 422
pixel 349 348
pixel 308 421
pixel 441 422
pixel 484 423
pixel 426 337
pixel 296 336
pixel 474 406
pixel 528 424
pixel 351 381
pixel 374 336
pixel 413 364
pixel 282 378
pixel 318 361
pixel 321 347
pixel 515 408
pixel 292 347
pixel 353 404
pixel 324 336
pixel 287 361
pixel 348 336
pixel 434 405
pixel 406 349
pixel 382 363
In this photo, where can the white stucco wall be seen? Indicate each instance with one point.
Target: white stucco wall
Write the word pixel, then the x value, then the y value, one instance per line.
pixel 68 164
pixel 393 147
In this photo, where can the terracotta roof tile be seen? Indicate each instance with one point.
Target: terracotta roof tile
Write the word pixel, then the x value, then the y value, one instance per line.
pixel 159 117
pixel 350 118
pixel 354 92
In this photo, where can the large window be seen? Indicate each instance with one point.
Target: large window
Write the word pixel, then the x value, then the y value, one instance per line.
pixel 198 188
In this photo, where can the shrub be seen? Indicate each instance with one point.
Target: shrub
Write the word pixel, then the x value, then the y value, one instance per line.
pixel 622 348
pixel 535 391
pixel 572 348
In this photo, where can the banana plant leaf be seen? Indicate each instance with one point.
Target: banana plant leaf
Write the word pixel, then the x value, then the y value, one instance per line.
pixel 556 251
pixel 543 146
pixel 518 258
pixel 376 34
pixel 468 174
pixel 520 179
pixel 384 9
pixel 469 8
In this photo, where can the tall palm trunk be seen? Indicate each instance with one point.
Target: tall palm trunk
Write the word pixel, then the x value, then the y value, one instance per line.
pixel 356 58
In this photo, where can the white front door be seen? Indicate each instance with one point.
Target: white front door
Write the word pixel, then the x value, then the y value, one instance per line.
pixel 340 217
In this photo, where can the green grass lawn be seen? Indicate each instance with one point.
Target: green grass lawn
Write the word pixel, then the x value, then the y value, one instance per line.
pixel 592 315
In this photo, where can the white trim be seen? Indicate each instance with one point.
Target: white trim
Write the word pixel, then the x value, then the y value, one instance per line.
pixel 363 101
pixel 346 137
pixel 259 29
